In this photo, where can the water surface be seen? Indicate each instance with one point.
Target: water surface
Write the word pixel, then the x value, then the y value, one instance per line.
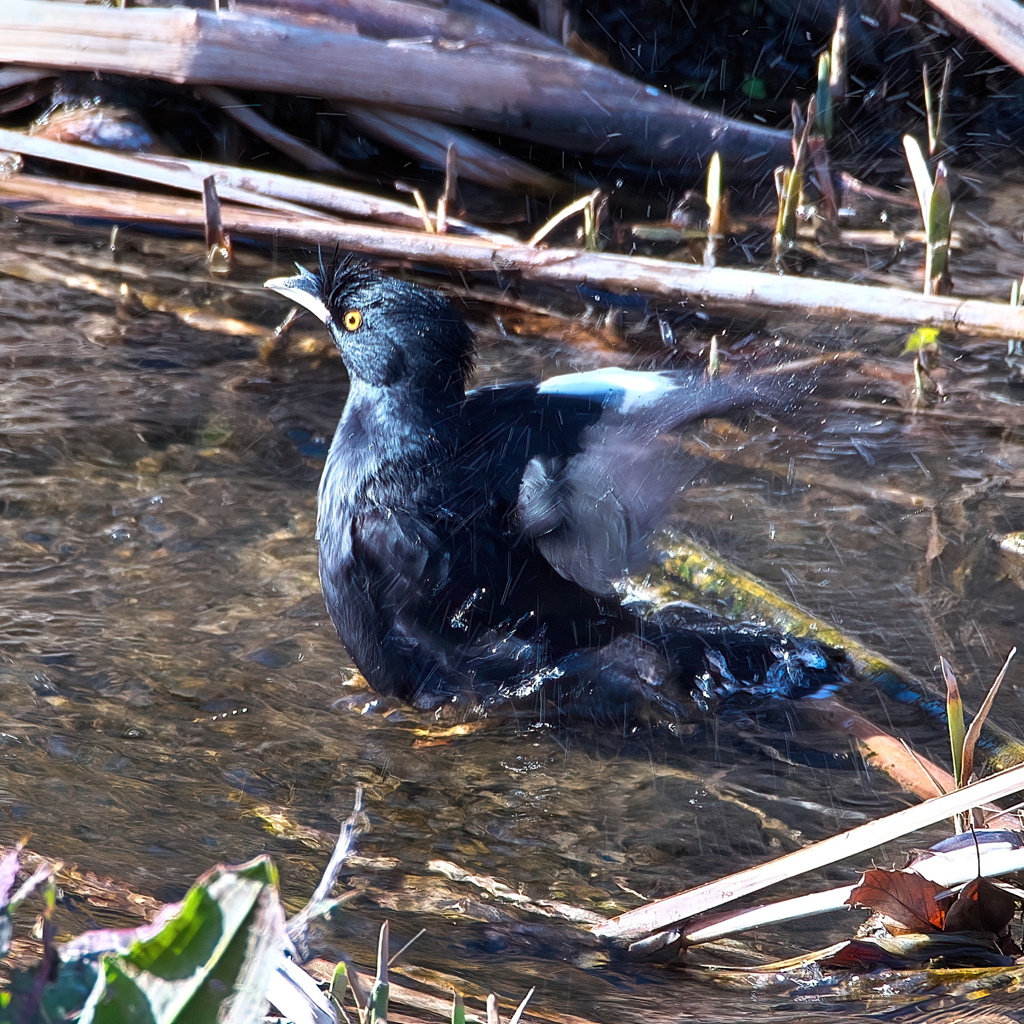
pixel 170 679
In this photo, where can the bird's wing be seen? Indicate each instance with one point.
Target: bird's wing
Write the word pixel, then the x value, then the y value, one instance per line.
pixel 425 623
pixel 387 583
pixel 591 501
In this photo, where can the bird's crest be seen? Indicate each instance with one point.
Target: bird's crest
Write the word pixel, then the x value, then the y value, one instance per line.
pixel 326 289
pixel 340 274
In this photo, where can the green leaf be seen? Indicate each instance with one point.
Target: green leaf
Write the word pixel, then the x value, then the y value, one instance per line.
pixel 754 89
pixel 937 232
pixel 339 983
pixel 380 993
pixel 118 998
pixel 955 720
pixel 974 732
pixel 207 964
pixel 921 339
pixel 458 1009
pixel 921 175
pixel 826 117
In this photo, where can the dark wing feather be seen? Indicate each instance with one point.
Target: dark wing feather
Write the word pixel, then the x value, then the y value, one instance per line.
pixel 592 506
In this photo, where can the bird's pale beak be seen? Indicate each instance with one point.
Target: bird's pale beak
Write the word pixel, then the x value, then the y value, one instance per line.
pixel 300 289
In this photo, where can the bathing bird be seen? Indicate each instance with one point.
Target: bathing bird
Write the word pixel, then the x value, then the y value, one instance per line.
pixel 473 543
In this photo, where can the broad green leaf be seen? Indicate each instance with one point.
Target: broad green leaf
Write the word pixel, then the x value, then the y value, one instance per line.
pixel 207 964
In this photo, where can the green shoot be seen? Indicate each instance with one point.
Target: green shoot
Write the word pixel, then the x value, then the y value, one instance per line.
pixel 789 184
pixel 714 359
pixel 955 720
pixel 338 985
pixel 589 205
pixel 924 391
pixel 935 109
pixel 971 739
pixel 936 205
pixel 379 994
pixel 716 211
pixel 963 742
pixel 837 61
pixel 826 116
pixel 458 1009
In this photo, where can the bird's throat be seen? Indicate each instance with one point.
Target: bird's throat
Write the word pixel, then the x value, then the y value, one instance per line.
pixel 386 439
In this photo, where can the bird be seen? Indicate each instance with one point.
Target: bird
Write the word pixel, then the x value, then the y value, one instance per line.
pixel 473 541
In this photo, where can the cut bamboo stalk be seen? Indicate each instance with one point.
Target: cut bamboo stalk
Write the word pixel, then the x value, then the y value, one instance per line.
pixel 716 287
pixel 998 24
pixel 551 97
pixel 667 913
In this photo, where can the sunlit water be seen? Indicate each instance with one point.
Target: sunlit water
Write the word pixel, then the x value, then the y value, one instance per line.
pixel 169 678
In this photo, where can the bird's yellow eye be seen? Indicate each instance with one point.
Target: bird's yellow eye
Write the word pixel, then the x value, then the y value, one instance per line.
pixel 352 320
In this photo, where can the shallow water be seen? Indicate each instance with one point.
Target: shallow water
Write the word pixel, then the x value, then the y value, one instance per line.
pixel 170 681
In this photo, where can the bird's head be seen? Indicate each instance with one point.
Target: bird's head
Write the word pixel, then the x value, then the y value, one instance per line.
pixel 390 333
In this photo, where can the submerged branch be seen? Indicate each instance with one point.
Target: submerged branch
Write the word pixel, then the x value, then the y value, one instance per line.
pixel 747 597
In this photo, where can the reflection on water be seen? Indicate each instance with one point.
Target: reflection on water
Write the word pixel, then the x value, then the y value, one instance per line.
pixel 167 669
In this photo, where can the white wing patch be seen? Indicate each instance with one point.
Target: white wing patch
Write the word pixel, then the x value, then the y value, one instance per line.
pixel 621 390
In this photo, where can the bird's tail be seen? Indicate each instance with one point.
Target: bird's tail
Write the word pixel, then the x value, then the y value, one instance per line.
pixel 727 663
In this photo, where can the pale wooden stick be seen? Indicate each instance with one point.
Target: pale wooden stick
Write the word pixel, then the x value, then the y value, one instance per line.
pixel 998 854
pixel 661 279
pixel 666 913
pixel 253 188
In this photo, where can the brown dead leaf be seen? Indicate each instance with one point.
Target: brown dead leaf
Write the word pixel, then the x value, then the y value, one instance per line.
pixel 905 897
pixel 982 906
pixel 936 542
pixel 862 955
